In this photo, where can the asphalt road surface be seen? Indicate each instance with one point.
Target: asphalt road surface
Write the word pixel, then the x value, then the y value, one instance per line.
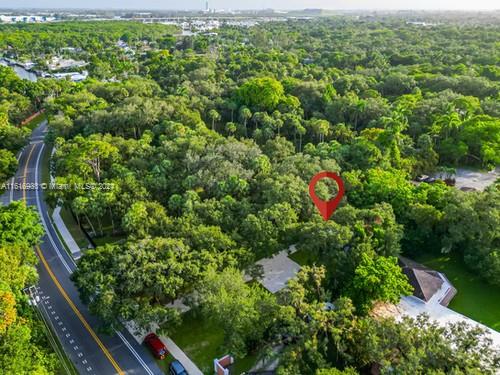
pixel 92 352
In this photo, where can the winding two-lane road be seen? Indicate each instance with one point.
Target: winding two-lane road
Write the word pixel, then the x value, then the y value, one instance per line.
pixel 91 352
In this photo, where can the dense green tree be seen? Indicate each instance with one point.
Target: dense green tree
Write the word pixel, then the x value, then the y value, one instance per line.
pixel 8 166
pixel 146 218
pixel 471 223
pixel 13 138
pixel 422 346
pixel 137 279
pixel 329 336
pixel 261 93
pixel 378 279
pixel 19 224
pixel 23 345
pixel 245 312
pixel 209 143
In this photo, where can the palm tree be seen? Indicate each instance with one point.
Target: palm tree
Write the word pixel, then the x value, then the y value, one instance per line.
pixel 214 116
pixel 357 110
pixel 301 130
pixel 321 128
pixel 231 128
pixel 393 135
pixel 447 125
pixel 245 115
pixel 232 106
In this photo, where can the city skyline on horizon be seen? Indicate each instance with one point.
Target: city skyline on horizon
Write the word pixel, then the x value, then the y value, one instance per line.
pixel 193 5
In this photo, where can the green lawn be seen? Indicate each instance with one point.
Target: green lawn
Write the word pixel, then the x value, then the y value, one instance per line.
pixel 475 298
pixel 302 257
pixel 201 341
pixel 74 229
pixel 111 239
pixel 34 122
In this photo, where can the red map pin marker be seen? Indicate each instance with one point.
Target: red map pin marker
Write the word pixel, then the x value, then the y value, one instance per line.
pixel 326 208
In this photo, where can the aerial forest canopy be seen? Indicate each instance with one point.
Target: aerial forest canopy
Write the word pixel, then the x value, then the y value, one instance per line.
pixel 208 143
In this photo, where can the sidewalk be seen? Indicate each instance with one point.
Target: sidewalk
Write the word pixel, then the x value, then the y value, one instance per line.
pixel 61 225
pixel 172 347
pixel 178 354
pixel 65 234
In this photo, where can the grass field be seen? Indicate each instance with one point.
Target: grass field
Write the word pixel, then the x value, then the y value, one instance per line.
pixel 201 341
pixel 302 258
pixel 111 239
pixel 74 229
pixel 35 121
pixel 475 298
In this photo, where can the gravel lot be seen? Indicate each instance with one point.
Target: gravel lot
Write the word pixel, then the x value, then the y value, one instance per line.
pixel 476 179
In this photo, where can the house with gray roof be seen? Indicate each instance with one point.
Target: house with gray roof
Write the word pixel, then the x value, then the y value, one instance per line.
pixel 427 283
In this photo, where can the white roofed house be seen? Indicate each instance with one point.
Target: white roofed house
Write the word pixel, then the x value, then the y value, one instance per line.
pixel 58 63
pixel 432 294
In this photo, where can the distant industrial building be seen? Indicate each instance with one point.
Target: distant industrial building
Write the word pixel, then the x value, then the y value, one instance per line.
pixel 25 19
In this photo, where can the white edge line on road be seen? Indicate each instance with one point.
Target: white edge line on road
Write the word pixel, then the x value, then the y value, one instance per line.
pixel 120 335
pixel 43 219
pixel 135 354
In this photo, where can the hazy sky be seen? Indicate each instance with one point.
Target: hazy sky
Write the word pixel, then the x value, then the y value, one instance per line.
pixel 256 4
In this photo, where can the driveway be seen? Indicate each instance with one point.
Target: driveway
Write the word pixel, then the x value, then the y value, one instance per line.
pixel 479 180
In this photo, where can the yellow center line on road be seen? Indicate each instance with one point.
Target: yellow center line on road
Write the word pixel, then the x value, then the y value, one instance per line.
pixel 78 314
pixel 61 289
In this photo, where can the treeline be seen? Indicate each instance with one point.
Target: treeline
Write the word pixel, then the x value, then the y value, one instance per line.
pixel 24 348
pixel 14 107
pixel 30 39
pixel 309 80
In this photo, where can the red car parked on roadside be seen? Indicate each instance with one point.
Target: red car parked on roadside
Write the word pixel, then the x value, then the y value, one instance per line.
pixel 156 346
